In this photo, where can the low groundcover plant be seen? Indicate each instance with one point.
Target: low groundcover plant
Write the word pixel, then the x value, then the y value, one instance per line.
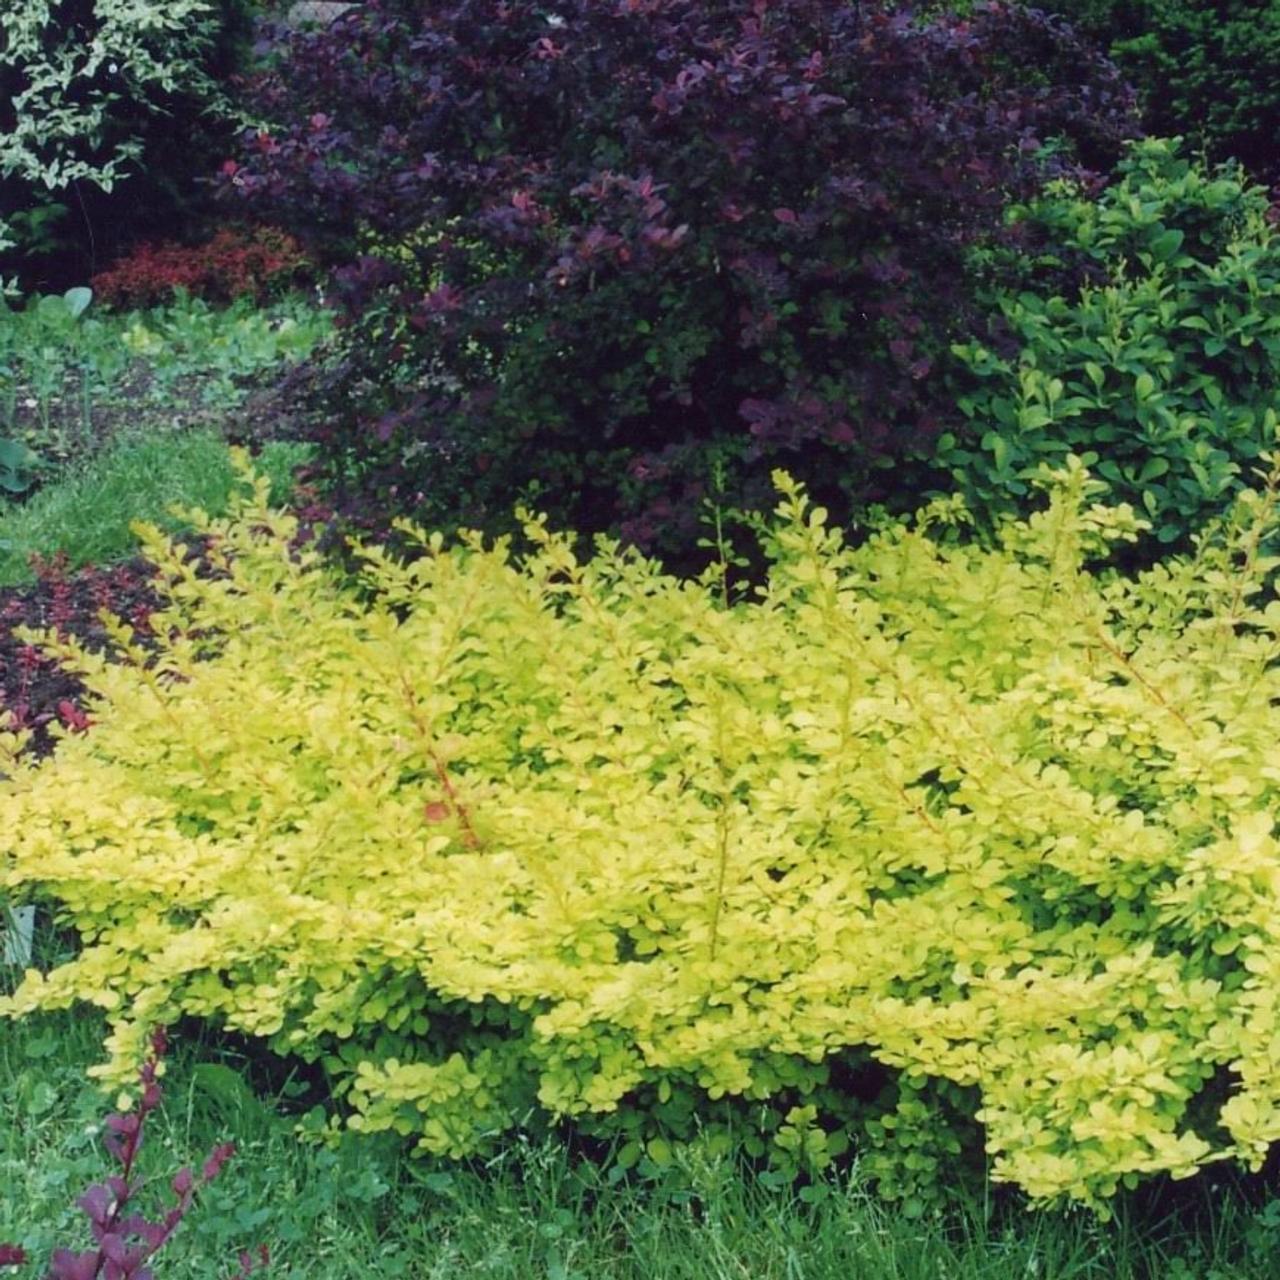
pixel 930 846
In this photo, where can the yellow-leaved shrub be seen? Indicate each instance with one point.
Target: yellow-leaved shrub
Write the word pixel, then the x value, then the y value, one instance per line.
pixel 928 846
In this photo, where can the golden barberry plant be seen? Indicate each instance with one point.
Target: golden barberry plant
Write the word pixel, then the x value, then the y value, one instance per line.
pixel 928 846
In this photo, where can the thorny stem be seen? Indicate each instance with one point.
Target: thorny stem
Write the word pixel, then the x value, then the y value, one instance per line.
pixel 469 838
pixel 722 856
pixel 1123 659
pixel 1260 525
pixel 722 835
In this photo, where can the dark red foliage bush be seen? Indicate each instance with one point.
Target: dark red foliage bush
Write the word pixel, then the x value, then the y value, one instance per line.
pixel 36 692
pixel 614 241
pixel 256 263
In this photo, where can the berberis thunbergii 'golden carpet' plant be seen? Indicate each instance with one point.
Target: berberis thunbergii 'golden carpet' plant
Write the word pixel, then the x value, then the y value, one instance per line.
pixel 926 842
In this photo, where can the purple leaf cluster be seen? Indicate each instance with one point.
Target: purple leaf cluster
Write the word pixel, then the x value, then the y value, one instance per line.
pixel 613 238
pixel 124 1240
pixel 36 691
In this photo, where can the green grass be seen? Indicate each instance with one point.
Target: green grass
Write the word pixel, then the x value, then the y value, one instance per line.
pixel 86 513
pixel 366 1209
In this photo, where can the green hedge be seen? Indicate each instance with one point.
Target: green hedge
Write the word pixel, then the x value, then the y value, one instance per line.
pixel 929 846
pixel 1203 68
pixel 1144 335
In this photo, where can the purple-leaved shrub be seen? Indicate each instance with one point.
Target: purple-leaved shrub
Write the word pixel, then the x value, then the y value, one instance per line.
pixel 124 1240
pixel 609 245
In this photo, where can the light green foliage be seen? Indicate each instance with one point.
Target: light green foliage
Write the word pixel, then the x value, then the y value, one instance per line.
pixel 503 838
pixel 41 349
pixel 64 366
pixel 218 346
pixel 1162 372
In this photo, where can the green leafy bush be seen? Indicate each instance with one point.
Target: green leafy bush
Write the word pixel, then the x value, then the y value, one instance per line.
pixel 1203 68
pixel 928 835
pixel 1146 336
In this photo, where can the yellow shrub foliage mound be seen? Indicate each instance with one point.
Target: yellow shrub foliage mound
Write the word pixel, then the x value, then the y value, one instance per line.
pixel 925 842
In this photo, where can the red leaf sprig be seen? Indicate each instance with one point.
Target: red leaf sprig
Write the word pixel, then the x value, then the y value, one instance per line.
pixel 124 1241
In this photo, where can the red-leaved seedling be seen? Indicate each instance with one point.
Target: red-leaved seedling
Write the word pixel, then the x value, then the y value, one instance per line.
pixel 124 1241
pixel 37 692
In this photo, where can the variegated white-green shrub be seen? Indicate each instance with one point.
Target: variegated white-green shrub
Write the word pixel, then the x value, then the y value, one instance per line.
pixel 77 78
pixel 928 846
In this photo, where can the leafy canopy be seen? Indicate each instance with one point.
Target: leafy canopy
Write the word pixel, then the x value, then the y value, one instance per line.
pixel 1203 68
pixel 82 86
pixel 926 837
pixel 1139 328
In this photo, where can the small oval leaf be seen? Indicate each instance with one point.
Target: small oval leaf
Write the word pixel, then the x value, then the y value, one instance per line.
pixel 78 300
